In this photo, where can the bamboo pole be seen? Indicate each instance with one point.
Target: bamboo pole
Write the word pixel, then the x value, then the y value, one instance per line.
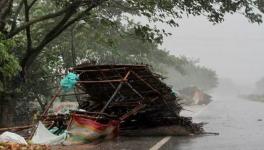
pixel 101 81
pixel 111 84
pixel 46 111
pixel 134 90
pixel 120 66
pixel 123 68
pixel 16 128
pixel 112 97
pixel 135 110
pixel 116 91
pixel 94 113
pixel 146 83
pixel 70 122
pixel 51 102
pixel 70 94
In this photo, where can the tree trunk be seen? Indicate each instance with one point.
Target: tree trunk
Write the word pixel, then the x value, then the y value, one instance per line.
pixel 7 110
pixel 5 10
pixel 15 107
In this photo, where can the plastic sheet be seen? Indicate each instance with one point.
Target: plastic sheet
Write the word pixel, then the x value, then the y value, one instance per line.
pixel 12 137
pixel 44 136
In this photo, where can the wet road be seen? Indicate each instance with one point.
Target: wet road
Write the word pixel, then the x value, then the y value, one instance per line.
pixel 237 120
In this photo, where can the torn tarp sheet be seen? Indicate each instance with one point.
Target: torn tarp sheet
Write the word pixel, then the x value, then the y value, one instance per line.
pixel 44 136
pixel 85 130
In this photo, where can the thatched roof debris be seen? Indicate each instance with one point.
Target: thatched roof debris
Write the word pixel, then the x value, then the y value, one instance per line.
pixel 132 93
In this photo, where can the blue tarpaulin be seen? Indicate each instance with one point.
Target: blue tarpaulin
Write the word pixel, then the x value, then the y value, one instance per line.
pixel 69 81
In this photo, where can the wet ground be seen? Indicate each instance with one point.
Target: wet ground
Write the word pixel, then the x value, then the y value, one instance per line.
pixel 238 121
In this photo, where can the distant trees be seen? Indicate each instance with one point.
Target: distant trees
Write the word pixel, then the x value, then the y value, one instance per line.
pixel 193 76
pixel 50 18
pixel 260 86
pixel 258 94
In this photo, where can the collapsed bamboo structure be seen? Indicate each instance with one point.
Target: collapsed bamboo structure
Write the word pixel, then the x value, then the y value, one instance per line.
pixel 132 94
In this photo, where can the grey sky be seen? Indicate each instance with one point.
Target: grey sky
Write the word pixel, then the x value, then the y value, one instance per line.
pixel 234 49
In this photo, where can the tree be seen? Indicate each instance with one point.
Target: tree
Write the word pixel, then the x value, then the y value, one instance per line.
pixel 68 12
pixel 193 75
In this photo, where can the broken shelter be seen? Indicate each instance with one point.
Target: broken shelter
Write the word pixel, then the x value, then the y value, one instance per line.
pixel 114 100
pixel 131 94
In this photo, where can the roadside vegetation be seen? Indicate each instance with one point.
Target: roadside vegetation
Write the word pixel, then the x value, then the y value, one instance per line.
pixel 258 94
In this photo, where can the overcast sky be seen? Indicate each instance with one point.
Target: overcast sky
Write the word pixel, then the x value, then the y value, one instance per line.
pixel 234 49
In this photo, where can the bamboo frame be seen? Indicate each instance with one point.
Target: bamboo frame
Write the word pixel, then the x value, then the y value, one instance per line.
pixel 102 81
pixel 116 91
pixel 16 128
pixel 46 111
pixel 123 91
pixel 146 83
pixel 135 110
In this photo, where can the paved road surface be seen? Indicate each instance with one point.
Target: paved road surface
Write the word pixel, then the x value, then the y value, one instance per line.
pixel 237 121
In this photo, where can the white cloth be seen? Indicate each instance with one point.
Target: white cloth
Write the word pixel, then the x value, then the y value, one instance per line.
pixel 12 137
pixel 44 136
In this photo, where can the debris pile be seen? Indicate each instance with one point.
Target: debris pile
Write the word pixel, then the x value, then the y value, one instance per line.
pixel 194 96
pixel 132 94
pixel 113 100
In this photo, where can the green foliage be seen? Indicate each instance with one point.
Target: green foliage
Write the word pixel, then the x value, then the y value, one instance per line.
pixel 9 65
pixel 117 44
pixel 260 5
pixel 41 22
